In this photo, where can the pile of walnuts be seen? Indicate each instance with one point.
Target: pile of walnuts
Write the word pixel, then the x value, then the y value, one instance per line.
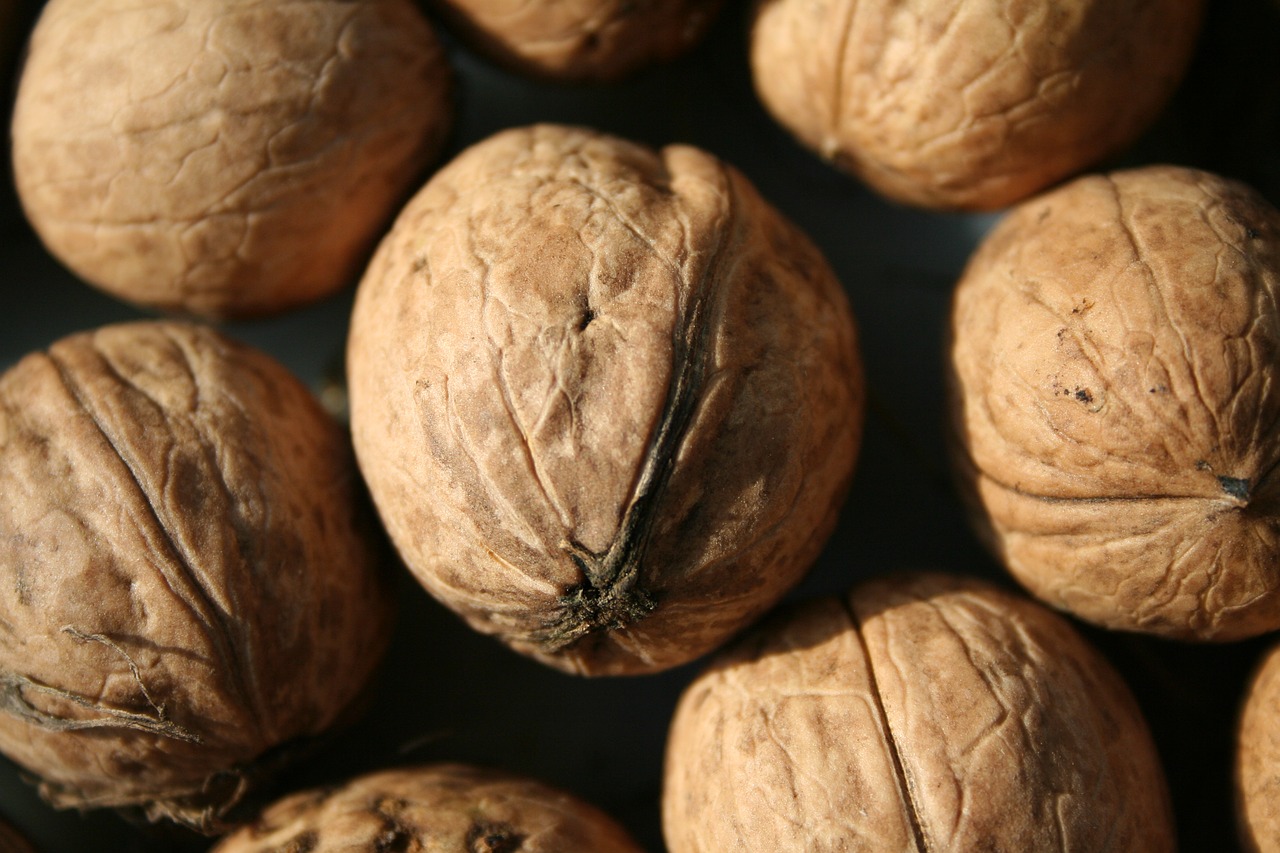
pixel 613 316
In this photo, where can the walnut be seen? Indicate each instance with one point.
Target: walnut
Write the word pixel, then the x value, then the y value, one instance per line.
pixel 1257 757
pixel 1115 385
pixel 919 713
pixel 12 841
pixel 968 105
pixel 606 399
pixel 224 159
pixel 580 40
pixel 444 808
pixel 187 582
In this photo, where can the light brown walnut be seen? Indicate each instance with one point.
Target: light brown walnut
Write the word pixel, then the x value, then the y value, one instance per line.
pixel 607 400
pixel 969 103
pixel 224 159
pixel 580 40
pixel 920 713
pixel 1115 390
pixel 442 808
pixel 1257 790
pixel 188 584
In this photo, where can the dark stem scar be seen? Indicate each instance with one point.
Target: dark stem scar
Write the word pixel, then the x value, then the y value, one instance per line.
pixel 1237 487
pixel 611 595
pixel 493 838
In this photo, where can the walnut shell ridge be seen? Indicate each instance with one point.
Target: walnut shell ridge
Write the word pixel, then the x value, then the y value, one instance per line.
pixel 190 156
pixel 1114 391
pixel 920 712
pixel 188 581
pixel 440 808
pixel 969 105
pixel 580 40
pixel 606 399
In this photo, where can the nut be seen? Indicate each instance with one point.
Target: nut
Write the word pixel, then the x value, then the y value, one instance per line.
pixel 582 40
pixel 187 586
pixel 191 156
pixel 1115 385
pixel 606 399
pixel 1257 757
pixel 920 713
pixel 445 808
pixel 968 105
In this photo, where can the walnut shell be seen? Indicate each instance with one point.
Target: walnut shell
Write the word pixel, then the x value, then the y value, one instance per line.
pixel 968 105
pixel 187 583
pixel 444 808
pixel 919 713
pixel 606 399
pixel 581 40
pixel 12 841
pixel 1115 385
pixel 191 155
pixel 1258 759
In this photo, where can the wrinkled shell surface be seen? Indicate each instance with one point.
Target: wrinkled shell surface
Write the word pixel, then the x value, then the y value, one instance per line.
pixel 224 159
pixel 1115 390
pixel 445 808
pixel 968 104
pixel 1258 760
pixel 606 399
pixel 185 581
pixel 920 713
pixel 580 39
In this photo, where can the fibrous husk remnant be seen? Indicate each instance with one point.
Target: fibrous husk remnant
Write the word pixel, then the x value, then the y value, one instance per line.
pixel 606 399
pixel 187 578
pixel 1115 391
pixel 919 713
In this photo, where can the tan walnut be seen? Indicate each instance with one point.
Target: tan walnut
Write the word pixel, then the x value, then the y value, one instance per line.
pixel 442 808
pixel 1258 759
pixel 606 399
pixel 224 159
pixel 1114 395
pixel 188 585
pixel 580 40
pixel 920 712
pixel 975 104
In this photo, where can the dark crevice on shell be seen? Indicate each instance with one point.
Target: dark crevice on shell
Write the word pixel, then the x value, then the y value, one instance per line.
pixel 612 594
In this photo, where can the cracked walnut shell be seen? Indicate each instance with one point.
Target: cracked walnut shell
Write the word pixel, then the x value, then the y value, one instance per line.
pixel 442 808
pixel 224 159
pixel 920 712
pixel 975 104
pixel 606 399
pixel 188 584
pixel 1114 395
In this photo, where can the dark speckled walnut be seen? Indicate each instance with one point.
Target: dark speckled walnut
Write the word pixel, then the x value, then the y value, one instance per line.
pixel 580 40
pixel 969 103
pixel 920 713
pixel 187 582
pixel 606 399
pixel 446 808
pixel 1115 391
pixel 226 159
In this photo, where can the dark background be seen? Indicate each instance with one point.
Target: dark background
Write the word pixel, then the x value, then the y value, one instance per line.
pixel 448 694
